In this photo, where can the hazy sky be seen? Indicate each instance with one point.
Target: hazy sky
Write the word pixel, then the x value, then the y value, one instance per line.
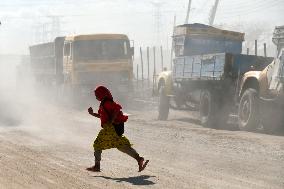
pixel 137 18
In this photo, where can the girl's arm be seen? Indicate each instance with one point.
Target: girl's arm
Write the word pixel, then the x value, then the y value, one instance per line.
pixel 91 112
pixel 96 115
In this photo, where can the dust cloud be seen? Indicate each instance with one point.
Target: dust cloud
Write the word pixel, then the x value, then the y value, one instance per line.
pixel 27 107
pixel 10 104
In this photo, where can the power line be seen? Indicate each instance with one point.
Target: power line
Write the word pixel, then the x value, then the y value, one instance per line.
pixel 47 31
pixel 43 3
pixel 248 5
pixel 229 16
pixel 254 8
pixel 157 19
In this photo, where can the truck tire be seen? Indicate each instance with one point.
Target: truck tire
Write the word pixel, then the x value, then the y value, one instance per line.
pixel 248 113
pixel 213 110
pixel 207 110
pixel 164 104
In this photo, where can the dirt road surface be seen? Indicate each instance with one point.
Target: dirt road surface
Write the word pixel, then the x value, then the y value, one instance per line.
pixel 51 147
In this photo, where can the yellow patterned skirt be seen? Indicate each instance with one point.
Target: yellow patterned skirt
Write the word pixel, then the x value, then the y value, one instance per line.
pixel 107 138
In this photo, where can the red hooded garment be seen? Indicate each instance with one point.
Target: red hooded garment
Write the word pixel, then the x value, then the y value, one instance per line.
pixel 108 107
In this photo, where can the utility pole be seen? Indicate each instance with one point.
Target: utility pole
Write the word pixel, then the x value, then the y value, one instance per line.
pixel 213 12
pixel 188 11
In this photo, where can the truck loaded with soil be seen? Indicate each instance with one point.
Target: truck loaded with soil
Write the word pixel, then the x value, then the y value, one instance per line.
pixel 211 75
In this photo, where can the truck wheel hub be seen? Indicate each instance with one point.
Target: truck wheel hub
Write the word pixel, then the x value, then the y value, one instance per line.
pixel 245 110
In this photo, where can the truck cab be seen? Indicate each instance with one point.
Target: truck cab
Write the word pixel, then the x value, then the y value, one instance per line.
pixel 270 79
pixel 89 60
pixel 275 72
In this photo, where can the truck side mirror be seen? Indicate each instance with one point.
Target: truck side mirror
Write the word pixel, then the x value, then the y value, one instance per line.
pixel 132 51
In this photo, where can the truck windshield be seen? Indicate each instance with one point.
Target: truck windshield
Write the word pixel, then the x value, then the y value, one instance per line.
pixel 198 46
pixel 101 49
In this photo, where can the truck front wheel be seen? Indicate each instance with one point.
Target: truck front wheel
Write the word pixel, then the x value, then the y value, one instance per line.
pixel 249 110
pixel 164 104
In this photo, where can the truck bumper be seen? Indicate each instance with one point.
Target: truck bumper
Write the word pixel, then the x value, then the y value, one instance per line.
pixel 272 103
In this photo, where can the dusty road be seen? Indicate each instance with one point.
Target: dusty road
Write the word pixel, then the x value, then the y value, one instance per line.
pixel 52 148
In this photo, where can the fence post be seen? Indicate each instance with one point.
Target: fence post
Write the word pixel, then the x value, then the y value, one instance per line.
pixel 141 57
pixel 142 69
pixel 137 72
pixel 162 58
pixel 172 48
pixel 154 53
pixel 148 66
pixel 255 47
pixel 264 48
pixel 154 72
pixel 247 51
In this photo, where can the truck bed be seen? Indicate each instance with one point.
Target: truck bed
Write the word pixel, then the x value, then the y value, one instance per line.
pixel 46 58
pixel 216 66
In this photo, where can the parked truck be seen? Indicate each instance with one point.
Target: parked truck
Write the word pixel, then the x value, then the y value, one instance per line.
pixel 211 74
pixel 261 93
pixel 76 64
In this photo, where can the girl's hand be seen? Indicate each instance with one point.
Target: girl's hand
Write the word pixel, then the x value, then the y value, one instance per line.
pixel 90 110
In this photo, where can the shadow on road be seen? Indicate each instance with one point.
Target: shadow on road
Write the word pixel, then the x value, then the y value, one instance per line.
pixel 231 126
pixel 189 120
pixel 138 180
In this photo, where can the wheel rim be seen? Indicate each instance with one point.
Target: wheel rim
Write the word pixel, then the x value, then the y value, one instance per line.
pixel 245 110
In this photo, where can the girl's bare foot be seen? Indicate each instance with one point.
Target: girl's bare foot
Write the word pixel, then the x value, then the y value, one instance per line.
pixel 95 168
pixel 142 165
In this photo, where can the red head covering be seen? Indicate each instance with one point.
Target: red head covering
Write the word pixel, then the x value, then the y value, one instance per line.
pixel 102 92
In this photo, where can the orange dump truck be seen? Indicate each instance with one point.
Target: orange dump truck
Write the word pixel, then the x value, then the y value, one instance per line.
pixel 76 64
